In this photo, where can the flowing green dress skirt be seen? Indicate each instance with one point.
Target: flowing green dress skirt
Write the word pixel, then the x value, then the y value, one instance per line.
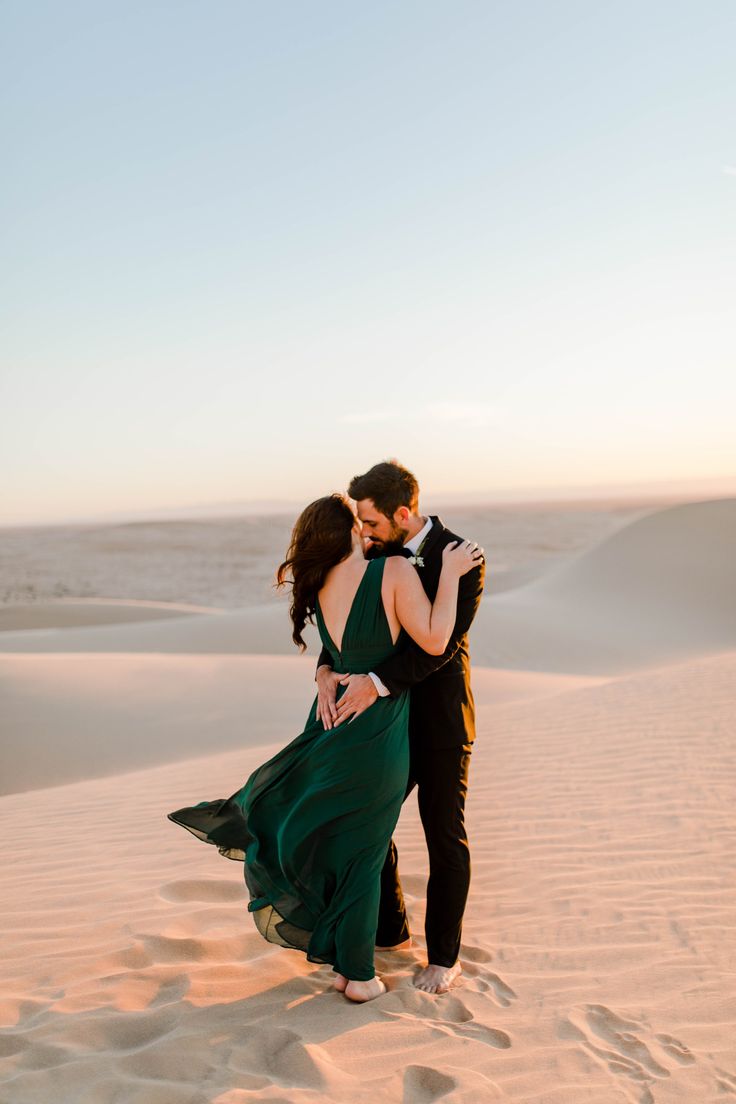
pixel 313 824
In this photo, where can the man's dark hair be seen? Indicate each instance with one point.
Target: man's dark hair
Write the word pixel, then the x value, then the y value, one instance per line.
pixel 388 485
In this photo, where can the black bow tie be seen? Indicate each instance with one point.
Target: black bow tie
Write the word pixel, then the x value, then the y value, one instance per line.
pixel 407 553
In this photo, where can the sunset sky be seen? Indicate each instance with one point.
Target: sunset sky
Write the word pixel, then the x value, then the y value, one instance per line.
pixel 252 249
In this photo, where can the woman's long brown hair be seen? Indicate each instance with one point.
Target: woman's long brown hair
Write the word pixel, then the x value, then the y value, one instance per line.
pixel 321 538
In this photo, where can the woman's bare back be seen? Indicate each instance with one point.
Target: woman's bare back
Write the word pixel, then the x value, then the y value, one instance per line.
pixel 338 594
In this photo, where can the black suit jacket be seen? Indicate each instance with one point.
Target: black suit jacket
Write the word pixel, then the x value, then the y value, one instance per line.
pixel 442 712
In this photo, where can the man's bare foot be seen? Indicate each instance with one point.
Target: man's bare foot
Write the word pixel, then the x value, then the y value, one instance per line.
pixel 361 991
pixel 437 979
pixel 397 946
pixel 340 982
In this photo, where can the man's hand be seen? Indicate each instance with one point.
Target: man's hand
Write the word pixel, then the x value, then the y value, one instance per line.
pixel 327 681
pixel 359 696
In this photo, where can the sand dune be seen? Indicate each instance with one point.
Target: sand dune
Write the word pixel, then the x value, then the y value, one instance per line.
pixel 660 589
pixel 65 613
pixel 597 950
pixel 74 716
pixel 598 946
pixel 259 630
pixel 68 717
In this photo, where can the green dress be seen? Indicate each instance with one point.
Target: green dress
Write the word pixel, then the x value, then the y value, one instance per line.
pixel 313 824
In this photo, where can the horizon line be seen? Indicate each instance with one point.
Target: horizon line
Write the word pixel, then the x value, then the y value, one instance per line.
pixel 522 496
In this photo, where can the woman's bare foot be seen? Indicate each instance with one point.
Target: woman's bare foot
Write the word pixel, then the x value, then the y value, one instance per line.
pixel 437 979
pixel 340 983
pixel 361 991
pixel 397 946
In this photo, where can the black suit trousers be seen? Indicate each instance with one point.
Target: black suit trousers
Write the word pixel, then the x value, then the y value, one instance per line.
pixel 441 778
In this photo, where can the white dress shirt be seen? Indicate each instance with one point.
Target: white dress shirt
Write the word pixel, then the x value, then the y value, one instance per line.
pixel 416 540
pixel 412 546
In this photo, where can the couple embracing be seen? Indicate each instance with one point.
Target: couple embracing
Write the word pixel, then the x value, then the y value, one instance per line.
pixel 393 594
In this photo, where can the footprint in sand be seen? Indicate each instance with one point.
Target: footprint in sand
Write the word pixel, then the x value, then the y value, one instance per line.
pixel 422 1084
pixel 171 990
pixel 206 890
pixel 280 1055
pixel 620 1043
pixel 482 980
pixel 675 1048
pixel 446 1014
pixel 102 1030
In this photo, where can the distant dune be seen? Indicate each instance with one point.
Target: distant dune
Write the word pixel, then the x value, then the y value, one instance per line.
pixel 260 629
pixel 661 588
pixel 76 612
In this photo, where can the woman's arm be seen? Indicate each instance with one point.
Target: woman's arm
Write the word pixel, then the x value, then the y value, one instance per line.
pixel 431 624
pixel 408 666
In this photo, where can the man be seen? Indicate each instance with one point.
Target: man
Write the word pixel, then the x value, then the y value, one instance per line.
pixel 441 719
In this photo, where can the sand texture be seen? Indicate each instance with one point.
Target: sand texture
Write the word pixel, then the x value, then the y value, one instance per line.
pixel 599 949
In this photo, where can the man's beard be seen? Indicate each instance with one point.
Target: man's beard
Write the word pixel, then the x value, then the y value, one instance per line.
pixel 392 546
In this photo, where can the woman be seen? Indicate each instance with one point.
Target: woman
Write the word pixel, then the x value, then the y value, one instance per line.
pixel 313 824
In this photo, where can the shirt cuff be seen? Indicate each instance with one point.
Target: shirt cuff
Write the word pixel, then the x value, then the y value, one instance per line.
pixel 382 691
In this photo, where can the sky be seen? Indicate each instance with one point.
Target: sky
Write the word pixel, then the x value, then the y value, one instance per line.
pixel 252 249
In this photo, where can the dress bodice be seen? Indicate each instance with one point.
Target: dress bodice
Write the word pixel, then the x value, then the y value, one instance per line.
pixel 366 639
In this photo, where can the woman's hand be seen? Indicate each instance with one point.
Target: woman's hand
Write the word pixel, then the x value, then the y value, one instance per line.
pixel 461 556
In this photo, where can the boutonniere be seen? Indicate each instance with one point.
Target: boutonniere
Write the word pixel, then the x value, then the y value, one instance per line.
pixel 416 559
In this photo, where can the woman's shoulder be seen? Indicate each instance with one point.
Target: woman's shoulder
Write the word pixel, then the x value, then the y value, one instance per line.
pixel 396 567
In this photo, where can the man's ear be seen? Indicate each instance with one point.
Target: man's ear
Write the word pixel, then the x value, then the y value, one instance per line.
pixel 402 514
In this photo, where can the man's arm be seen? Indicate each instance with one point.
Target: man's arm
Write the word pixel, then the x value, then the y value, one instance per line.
pixel 325 660
pixel 409 666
